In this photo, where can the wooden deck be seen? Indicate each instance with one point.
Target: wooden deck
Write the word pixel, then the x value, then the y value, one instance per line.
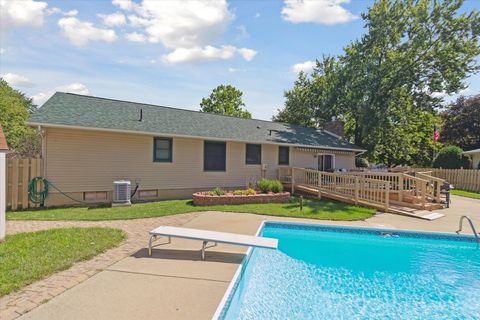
pixel 394 193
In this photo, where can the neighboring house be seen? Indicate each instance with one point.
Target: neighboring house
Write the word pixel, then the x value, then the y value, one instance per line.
pixel 89 142
pixel 475 156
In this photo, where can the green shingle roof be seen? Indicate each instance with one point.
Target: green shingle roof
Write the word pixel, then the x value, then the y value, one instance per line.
pixel 68 109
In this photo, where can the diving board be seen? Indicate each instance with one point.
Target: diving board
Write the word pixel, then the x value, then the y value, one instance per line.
pixel 211 236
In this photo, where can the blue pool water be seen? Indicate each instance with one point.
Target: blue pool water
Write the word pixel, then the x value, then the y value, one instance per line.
pixel 345 273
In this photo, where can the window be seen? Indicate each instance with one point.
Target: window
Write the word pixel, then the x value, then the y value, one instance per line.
pixel 253 154
pixel 214 156
pixel 162 149
pixel 283 155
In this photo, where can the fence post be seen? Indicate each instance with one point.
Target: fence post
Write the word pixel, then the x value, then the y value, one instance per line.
pixel 319 185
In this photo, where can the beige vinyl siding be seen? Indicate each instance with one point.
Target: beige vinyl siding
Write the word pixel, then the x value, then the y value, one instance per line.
pixel 305 159
pixel 80 161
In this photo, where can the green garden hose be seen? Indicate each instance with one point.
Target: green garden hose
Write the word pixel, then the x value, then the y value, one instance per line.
pixel 36 193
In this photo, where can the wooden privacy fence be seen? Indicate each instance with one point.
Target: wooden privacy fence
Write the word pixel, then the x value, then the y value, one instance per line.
pixel 19 173
pixel 465 179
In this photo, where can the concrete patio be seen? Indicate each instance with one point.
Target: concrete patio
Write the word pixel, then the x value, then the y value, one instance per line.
pixel 174 283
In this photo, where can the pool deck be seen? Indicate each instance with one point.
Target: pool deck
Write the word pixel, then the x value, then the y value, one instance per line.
pixel 176 284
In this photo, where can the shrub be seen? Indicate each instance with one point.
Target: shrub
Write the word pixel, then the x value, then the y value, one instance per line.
pixel 266 185
pixel 451 157
pixel 361 163
pixel 216 192
pixel 276 186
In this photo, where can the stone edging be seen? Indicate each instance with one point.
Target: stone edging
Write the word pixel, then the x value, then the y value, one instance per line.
pixel 201 199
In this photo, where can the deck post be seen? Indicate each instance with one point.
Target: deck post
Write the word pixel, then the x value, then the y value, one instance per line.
pixel 356 189
pixel 400 187
pixel 319 185
pixel 293 181
pixel 387 194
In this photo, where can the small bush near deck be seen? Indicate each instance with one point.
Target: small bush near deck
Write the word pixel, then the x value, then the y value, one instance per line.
pixel 266 186
pixel 276 186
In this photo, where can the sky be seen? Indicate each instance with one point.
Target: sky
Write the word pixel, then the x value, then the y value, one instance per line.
pixel 174 52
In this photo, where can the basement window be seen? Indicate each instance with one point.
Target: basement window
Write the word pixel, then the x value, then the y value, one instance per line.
pixel 162 150
pixel 95 196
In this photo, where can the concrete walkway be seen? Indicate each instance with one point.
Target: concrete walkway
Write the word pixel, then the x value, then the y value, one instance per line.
pixel 174 283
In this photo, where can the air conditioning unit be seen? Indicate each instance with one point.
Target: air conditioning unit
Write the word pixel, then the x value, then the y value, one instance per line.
pixel 121 193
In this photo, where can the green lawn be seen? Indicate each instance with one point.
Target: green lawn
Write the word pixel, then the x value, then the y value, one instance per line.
pixel 468 194
pixel 314 209
pixel 26 257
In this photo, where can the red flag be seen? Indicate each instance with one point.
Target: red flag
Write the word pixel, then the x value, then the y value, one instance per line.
pixel 436 134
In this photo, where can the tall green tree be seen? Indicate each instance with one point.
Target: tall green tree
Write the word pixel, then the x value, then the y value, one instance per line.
pixel 382 87
pixel 15 109
pixel 461 123
pixel 226 100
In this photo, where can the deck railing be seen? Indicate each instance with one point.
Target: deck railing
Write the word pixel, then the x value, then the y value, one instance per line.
pixel 356 188
pixel 379 188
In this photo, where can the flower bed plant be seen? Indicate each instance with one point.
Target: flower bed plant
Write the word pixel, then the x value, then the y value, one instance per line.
pixel 269 191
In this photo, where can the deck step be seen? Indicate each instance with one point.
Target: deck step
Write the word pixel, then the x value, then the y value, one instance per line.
pixel 415 213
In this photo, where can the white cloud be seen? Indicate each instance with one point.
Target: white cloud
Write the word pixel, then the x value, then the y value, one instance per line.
pixel 317 11
pixel 127 5
pixel 75 87
pixel 56 10
pixel 21 13
pixel 16 80
pixel 80 33
pixel 306 66
pixel 257 15
pixel 136 37
pixel 180 24
pixel 189 28
pixel 3 51
pixel 207 53
pixel 248 54
pixel 113 20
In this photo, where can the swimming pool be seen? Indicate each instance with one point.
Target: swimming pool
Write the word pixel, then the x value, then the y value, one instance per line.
pixel 327 272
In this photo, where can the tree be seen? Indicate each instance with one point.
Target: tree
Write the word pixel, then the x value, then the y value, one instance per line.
pixel 461 123
pixel 226 100
pixel 382 86
pixel 15 109
pixel 451 157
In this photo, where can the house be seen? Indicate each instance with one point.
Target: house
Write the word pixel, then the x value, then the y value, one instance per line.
pixel 3 184
pixel 475 156
pixel 88 142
